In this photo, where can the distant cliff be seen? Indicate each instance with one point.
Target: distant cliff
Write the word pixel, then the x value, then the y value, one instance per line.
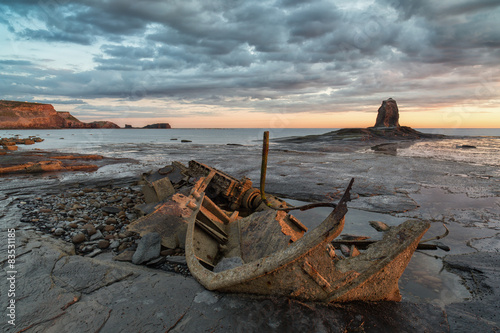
pixel 24 115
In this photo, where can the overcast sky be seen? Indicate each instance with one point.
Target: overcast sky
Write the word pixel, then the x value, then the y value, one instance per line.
pixel 247 63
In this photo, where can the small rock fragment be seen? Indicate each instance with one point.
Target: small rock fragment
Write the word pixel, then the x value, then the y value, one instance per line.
pixel 97 235
pixel 94 253
pixel 148 248
pixel 90 229
pixel 226 263
pixel 109 228
pixel 379 226
pixel 78 238
pixel 59 231
pixel 103 244
pixel 111 210
pixel 114 244
pixel 345 250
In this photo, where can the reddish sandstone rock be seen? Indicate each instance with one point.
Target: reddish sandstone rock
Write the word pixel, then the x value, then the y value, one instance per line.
pixel 14 114
pixel 45 166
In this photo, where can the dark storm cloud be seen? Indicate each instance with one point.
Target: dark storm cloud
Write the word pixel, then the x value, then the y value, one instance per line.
pixel 285 54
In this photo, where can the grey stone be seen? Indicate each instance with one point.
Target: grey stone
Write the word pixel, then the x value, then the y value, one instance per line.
pixel 97 235
pixel 111 210
pixel 228 263
pixel 148 248
pixel 177 260
pixel 59 231
pixel 114 244
pixel 94 253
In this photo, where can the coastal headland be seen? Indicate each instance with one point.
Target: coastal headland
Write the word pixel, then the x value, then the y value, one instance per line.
pixel 25 115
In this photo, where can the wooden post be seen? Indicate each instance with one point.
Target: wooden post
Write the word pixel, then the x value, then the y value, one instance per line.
pixel 263 168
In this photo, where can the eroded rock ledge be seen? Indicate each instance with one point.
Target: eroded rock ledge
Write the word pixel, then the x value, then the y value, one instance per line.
pixel 43 161
pixel 367 135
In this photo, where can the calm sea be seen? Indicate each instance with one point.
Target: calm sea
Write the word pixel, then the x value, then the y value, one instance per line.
pixel 102 141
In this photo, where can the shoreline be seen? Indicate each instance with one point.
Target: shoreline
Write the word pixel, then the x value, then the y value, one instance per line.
pixel 293 174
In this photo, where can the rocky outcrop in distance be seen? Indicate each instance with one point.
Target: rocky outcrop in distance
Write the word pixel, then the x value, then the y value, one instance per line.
pixel 159 125
pixel 386 129
pixel 25 115
pixel 388 114
pixel 151 126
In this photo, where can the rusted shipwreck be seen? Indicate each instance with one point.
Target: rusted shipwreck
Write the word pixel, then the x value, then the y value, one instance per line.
pixel 236 242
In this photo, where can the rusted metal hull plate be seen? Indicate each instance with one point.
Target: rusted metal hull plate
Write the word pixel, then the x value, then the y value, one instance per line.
pixel 306 270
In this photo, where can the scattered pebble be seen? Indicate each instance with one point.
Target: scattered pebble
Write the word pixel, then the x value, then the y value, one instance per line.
pixel 103 244
pixel 85 218
pixel 78 238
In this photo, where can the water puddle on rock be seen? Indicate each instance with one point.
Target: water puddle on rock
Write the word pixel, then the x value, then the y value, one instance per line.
pixel 424 279
pixel 435 199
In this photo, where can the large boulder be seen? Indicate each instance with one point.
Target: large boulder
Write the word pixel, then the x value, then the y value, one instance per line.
pixel 388 114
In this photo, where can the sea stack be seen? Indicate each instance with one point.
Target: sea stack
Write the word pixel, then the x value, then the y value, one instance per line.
pixel 388 114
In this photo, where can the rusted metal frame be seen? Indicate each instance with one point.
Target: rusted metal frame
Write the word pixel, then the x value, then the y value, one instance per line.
pixel 323 234
pixel 309 206
pixel 210 220
pixel 218 213
pixel 316 276
pixel 218 236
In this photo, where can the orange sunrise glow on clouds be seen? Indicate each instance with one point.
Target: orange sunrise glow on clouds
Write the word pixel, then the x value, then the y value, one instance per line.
pixel 263 64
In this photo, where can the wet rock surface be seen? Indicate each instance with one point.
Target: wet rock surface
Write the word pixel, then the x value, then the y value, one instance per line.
pixel 74 293
pixel 481 274
pixel 129 297
pixel 40 161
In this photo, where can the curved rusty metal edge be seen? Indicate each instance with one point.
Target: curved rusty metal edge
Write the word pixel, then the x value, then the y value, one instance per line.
pixel 329 229
pixel 390 252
